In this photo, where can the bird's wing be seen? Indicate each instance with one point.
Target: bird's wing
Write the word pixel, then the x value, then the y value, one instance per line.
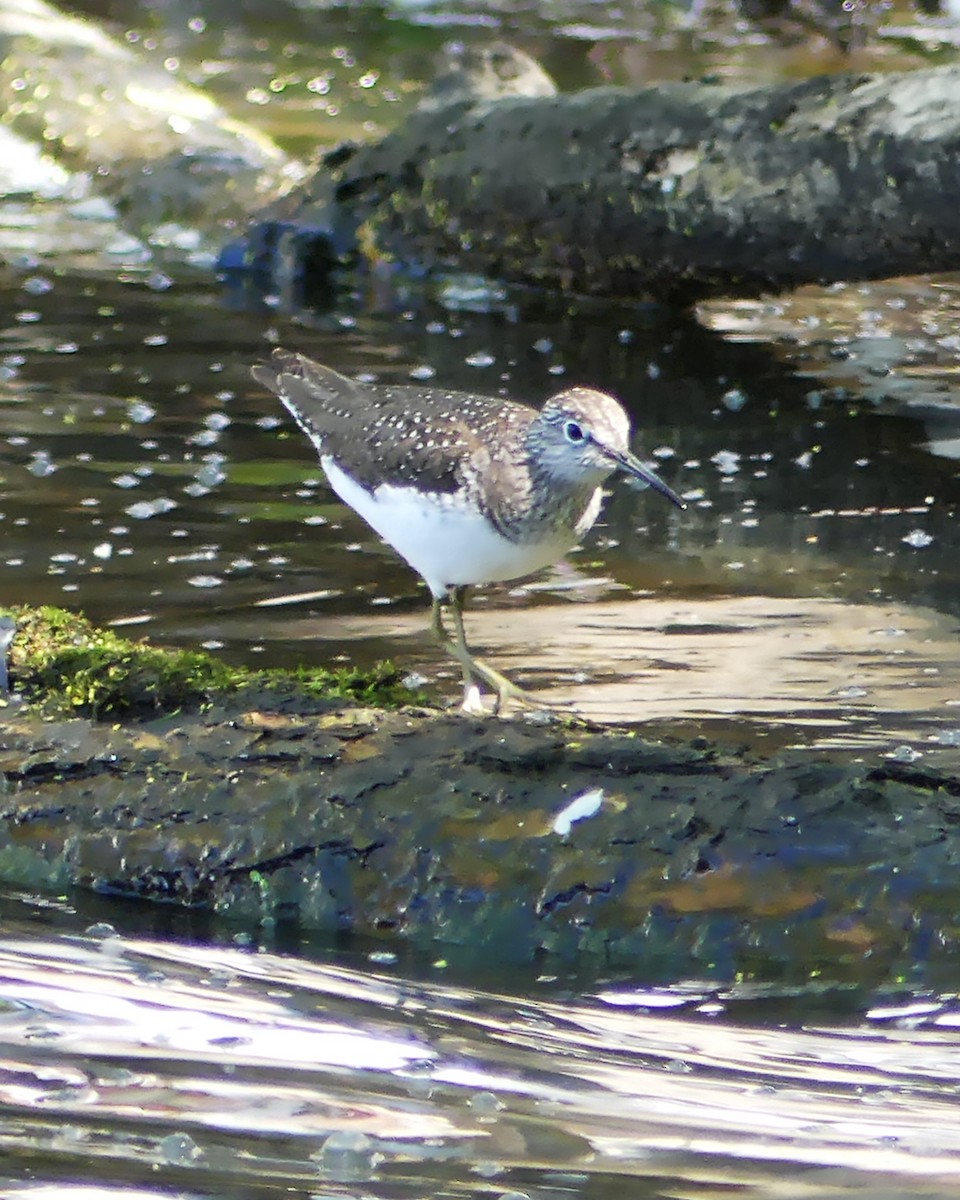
pixel 401 435
pixel 312 392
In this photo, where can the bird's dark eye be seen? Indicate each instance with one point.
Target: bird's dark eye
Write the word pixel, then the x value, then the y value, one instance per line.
pixel 573 432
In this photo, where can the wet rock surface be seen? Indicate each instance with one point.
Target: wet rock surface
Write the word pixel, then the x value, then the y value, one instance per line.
pixel 687 190
pixel 451 829
pixel 160 150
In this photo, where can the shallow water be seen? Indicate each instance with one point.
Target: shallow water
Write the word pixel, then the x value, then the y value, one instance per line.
pixel 809 595
pixel 147 480
pixel 148 1062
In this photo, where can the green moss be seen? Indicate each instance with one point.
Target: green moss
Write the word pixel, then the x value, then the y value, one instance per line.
pixel 380 685
pixel 60 660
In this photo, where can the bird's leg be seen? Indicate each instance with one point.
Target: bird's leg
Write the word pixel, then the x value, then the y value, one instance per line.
pixel 476 668
pixel 471 693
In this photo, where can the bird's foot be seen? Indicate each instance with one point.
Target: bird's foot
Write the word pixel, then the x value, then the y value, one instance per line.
pixel 506 692
pixel 476 671
pixel 472 703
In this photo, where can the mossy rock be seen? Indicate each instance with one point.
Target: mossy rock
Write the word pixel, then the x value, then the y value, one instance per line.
pixel 58 659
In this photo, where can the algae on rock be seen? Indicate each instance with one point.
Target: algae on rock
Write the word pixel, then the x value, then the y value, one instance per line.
pixel 62 661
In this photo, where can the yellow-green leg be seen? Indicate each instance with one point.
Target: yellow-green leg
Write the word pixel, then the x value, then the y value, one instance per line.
pixel 470 690
pixel 475 668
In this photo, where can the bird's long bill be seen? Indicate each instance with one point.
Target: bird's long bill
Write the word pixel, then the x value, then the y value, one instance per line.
pixel 646 478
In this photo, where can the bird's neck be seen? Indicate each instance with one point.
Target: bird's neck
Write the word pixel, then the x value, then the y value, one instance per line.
pixel 549 505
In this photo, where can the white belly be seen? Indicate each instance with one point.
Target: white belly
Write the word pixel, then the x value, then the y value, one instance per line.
pixel 446 543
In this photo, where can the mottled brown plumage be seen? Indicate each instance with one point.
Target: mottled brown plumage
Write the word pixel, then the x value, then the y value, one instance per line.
pixel 467 488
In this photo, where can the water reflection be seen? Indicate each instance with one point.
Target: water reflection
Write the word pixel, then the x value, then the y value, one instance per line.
pixel 813 585
pixel 205 1066
pixel 147 479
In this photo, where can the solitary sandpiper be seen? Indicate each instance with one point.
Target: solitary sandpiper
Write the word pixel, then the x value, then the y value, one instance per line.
pixel 467 488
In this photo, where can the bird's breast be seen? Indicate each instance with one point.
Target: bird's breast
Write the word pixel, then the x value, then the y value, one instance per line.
pixel 445 537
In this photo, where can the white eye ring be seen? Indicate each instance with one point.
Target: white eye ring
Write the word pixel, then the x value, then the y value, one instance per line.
pixel 573 432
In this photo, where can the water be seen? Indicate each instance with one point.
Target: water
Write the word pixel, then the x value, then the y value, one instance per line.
pixel 808 596
pixel 148 481
pixel 147 1062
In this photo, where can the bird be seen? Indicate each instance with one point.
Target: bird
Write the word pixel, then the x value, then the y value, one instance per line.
pixel 468 489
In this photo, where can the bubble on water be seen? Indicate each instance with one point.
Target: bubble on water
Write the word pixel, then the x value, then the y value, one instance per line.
pixel 37 285
pixel 102 929
pixel 206 437
pixel 727 462
pixel 126 480
pixel 126 245
pixel 488 1168
pixel 150 508
pixel 139 411
pixel 102 550
pixel 734 400
pixel 480 359
pixel 917 539
pixel 347 1155
pixel 179 1150
pixel 41 465
pixel 205 581
pixel 386 957
pixel 422 372
pixel 485 1103
pixel 210 474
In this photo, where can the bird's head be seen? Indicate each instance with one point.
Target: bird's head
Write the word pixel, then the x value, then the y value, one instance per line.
pixel 581 436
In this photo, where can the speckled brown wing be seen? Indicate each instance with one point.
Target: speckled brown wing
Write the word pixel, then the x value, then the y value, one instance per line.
pixel 328 407
pixel 403 435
